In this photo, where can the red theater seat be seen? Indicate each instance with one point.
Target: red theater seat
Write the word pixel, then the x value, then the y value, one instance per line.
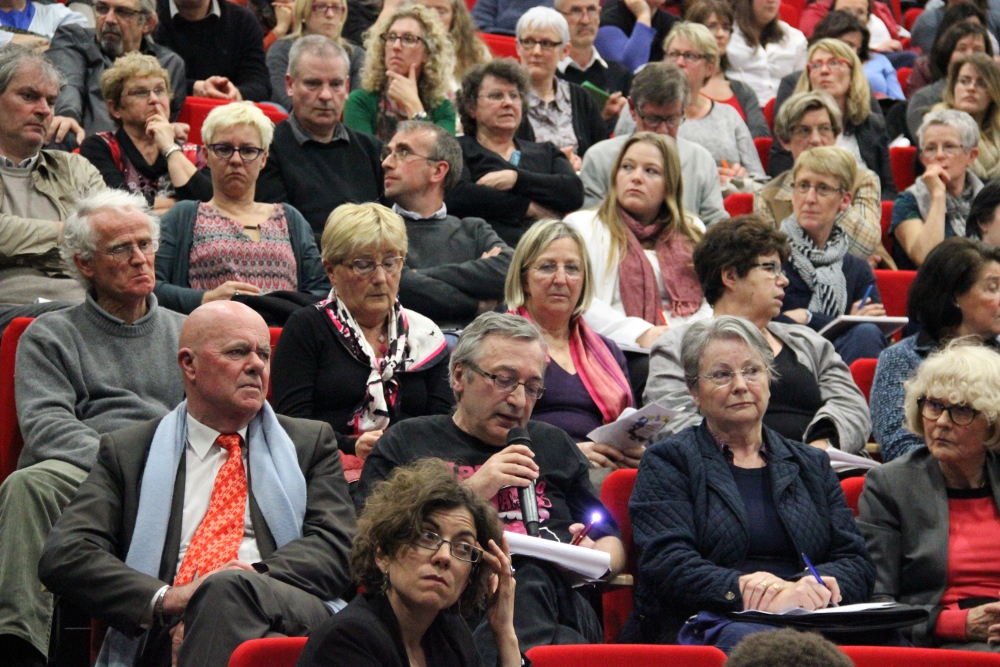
pixel 269 652
pixel 633 655
pixel 615 493
pixel 11 441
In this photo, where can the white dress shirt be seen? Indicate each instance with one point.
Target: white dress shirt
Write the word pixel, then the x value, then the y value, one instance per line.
pixel 763 68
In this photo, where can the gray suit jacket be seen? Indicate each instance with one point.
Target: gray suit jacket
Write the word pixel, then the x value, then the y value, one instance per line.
pixel 84 555
pixel 904 519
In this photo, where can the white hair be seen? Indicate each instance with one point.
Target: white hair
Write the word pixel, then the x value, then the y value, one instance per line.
pixel 543 18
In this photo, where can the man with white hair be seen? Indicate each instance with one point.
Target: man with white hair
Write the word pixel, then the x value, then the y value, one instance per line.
pixel 81 372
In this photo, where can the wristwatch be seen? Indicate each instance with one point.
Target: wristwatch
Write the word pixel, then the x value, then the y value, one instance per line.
pixel 420 115
pixel 170 151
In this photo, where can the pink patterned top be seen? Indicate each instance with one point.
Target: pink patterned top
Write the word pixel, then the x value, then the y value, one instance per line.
pixel 221 251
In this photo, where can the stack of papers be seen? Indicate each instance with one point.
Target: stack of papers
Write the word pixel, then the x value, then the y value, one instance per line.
pixel 579 564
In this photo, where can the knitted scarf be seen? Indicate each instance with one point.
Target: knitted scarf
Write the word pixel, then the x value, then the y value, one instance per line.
pixel 822 269
pixel 956 208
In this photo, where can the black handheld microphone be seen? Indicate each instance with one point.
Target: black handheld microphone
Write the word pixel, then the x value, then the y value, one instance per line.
pixel 525 494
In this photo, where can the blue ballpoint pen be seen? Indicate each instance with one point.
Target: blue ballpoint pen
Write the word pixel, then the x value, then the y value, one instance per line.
pixel 833 603
pixel 864 299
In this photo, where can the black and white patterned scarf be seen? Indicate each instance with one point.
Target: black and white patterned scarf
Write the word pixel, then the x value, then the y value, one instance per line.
pixel 822 269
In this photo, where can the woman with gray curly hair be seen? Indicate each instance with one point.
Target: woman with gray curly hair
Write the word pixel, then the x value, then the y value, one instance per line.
pixel 930 518
pixel 415 588
pixel 407 74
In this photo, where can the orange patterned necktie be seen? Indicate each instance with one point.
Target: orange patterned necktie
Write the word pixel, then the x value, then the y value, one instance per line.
pixel 218 537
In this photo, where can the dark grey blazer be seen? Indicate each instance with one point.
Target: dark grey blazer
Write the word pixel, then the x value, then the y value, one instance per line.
pixel 904 519
pixel 84 555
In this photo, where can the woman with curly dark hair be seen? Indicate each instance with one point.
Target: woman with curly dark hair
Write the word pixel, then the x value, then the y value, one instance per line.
pixel 415 589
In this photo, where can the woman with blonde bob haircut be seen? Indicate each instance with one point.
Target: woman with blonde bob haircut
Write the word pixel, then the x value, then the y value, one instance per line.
pixel 358 360
pixel 945 494
pixel 974 87
pixel 586 379
pixel 645 281
pixel 402 618
pixel 407 75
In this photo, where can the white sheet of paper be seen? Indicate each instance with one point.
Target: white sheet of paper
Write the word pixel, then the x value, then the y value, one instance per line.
pixel 843 609
pixel 582 564
pixel 841 461
pixel 633 427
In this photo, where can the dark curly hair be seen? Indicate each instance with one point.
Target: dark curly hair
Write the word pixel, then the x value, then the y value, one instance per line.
pixel 505 69
pixel 735 243
pixel 955 26
pixel 787 648
pixel 839 23
pixel 394 516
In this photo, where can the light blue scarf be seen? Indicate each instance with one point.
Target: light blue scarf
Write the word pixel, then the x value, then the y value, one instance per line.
pixel 278 486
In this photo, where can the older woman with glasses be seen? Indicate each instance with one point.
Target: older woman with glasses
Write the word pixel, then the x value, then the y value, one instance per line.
pixel 359 360
pixel 931 519
pixel 231 245
pixel 937 205
pixel 407 74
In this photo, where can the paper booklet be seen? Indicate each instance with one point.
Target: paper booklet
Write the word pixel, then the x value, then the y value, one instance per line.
pixel 579 564
pixel 633 427
pixel 841 461
pixel 888 325
pixel 842 609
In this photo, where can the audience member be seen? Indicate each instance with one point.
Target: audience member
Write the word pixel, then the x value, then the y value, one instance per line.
pixel 925 28
pixel 405 523
pixel 231 245
pixel 81 372
pixel 407 73
pixel 83 54
pixel 937 204
pixel 497 373
pixel 974 87
pixel 657 101
pixel 222 46
pixel 233 566
pixel 144 155
pixel 360 18
pixel 944 494
pixel 40 187
pixel 455 268
pixel 510 182
pixel 587 380
pixel 583 63
pixel 326 19
pixel 956 294
pixel 32 24
pixel 500 17
pixel 834 68
pixel 825 281
pixel 360 361
pixel 275 17
pixel 882 76
pixel 717 16
pixel 632 33
pixel 763 48
pixel 933 67
pixel 787 648
pixel 983 215
pixel 698 491
pixel 716 126
pixel 810 120
pixel 316 162
pixel 556 110
pixel 875 15
pixel 643 281
pixel 813 398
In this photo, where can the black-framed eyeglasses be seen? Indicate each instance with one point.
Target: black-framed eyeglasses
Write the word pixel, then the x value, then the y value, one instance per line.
pixel 960 415
pixel 225 151
pixel 366 267
pixel 688 56
pixel 533 389
pixel 124 251
pixel 774 268
pixel 103 9
pixel 654 121
pixel 322 7
pixel 402 153
pixel 466 551
pixel 406 39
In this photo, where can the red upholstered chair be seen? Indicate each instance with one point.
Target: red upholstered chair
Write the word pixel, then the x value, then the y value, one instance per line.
pixel 501 46
pixel 269 652
pixel 853 486
pixel 738 204
pixel 890 656
pixel 863 372
pixel 196 110
pixel 615 493
pixel 790 14
pixel 894 286
pixel 911 16
pixel 633 655
pixel 11 441
pixel 275 335
pixel 886 221
pixel 902 166
pixel 763 145
pixel 769 113
pixel 903 74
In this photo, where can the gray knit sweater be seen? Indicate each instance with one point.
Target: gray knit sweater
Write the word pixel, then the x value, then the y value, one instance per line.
pixel 726 136
pixel 81 373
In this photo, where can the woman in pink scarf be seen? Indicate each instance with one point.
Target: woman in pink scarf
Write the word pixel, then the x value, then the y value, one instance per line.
pixel 586 379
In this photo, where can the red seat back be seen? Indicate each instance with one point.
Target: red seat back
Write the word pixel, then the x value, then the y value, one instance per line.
pixel 894 287
pixel 738 203
pixel 769 113
pixel 501 46
pixel 615 494
pixel 763 145
pixel 633 655
pixel 275 335
pixel 863 372
pixel 911 16
pixel 790 14
pixel 11 442
pixel 268 652
pixel 903 74
pixel 902 158
pixel 196 110
pixel 853 486
pixel 892 656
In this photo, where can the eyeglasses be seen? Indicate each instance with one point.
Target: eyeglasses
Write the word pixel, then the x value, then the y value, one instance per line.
pixel 804 131
pixel 774 268
pixel 103 9
pixel 530 44
pixel 950 150
pixel 322 8
pixel 402 153
pixel 366 267
pixel 689 56
pixel 499 96
pixel 125 251
pixel 533 389
pixel 835 64
pixel 750 375
pixel 823 191
pixel 470 553
pixel 976 81
pixel 143 93
pixel 225 151
pixel 654 121
pixel 577 12
pixel 549 269
pixel 724 27
pixel 960 415
pixel 406 39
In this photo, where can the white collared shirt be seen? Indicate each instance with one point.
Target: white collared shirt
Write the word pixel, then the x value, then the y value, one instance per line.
pixel 202 461
pixel 569 62
pixel 214 10
pixel 440 214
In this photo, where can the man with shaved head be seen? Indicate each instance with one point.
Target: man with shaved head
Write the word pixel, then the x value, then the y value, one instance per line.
pixel 219 523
